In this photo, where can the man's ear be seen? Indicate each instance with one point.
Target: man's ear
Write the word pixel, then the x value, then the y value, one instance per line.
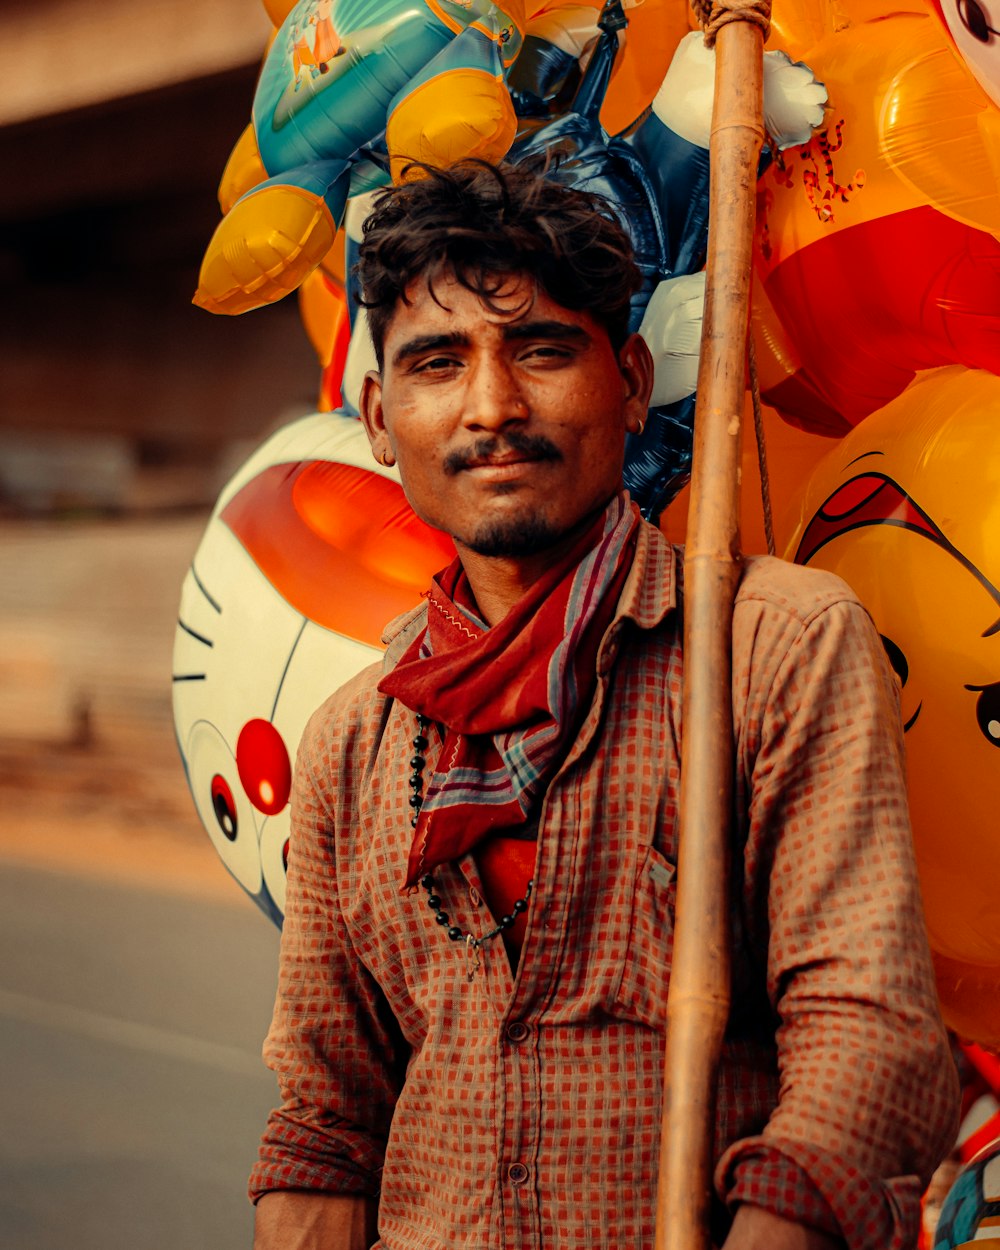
pixel 636 365
pixel 370 410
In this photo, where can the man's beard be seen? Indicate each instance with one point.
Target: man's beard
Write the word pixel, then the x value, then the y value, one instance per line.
pixel 513 537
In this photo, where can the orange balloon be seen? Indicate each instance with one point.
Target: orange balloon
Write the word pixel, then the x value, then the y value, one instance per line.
pixel 874 244
pixel 655 28
pixel 339 543
pixel 790 455
pixel 970 998
pixel 323 309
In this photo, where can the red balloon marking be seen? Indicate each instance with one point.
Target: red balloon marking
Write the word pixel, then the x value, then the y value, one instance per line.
pixel 852 495
pixel 224 806
pixel 265 770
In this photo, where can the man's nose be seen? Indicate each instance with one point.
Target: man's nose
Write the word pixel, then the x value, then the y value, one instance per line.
pixel 494 397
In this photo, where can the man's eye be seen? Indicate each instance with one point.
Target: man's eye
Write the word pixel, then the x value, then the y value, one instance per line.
pixel 435 364
pixel 546 351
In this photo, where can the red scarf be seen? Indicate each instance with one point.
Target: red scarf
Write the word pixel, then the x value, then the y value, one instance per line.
pixel 509 698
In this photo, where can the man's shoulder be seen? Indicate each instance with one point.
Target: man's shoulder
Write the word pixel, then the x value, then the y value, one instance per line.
pixel 794 590
pixel 776 588
pixel 343 713
pixel 358 707
pixel 787 617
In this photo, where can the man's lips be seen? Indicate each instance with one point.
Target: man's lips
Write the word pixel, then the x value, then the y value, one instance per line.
pixel 502 462
pixel 488 457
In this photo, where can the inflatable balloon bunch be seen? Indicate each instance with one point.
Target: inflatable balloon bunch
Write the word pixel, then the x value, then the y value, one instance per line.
pixel 877 323
pixel 351 92
pixel 312 547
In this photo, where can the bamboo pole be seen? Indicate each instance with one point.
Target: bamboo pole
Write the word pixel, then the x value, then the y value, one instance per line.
pixel 698 1000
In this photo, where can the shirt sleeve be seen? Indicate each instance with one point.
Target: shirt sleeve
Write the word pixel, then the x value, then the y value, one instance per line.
pixel 868 1092
pixel 333 1043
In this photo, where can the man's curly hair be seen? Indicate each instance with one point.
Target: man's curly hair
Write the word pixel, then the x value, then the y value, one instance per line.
pixel 482 224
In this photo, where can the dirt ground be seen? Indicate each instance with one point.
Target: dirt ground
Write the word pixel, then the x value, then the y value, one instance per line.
pixel 89 771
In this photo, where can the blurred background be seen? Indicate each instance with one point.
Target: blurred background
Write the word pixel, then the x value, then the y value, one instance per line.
pixel 137 979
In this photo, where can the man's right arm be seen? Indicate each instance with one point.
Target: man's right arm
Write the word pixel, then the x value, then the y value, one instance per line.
pixel 334 1043
pixel 294 1219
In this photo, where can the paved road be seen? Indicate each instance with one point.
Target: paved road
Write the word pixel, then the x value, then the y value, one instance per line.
pixel 131 1089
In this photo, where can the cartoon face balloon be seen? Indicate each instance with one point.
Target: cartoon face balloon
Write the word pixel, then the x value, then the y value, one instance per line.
pixel 310 551
pixel 907 511
pixel 973 26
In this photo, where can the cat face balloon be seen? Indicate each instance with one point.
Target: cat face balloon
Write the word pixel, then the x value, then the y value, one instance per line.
pixel 310 551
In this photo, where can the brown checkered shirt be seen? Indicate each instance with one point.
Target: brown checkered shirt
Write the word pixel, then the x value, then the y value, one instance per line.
pixel 524 1112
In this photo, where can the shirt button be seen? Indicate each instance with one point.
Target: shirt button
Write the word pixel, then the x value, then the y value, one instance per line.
pixel 474 896
pixel 517 1173
pixel 517 1031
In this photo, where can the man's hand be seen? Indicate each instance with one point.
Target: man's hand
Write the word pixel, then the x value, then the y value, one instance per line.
pixel 757 1229
pixel 302 1220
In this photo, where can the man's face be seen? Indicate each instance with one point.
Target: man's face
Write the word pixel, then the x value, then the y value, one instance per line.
pixel 509 426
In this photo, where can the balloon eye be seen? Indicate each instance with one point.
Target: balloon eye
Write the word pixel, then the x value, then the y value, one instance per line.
pixel 973 18
pixel 988 713
pixel 224 806
pixel 896 658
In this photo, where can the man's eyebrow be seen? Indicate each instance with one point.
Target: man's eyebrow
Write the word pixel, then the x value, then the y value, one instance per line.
pixel 516 331
pixel 421 343
pixel 560 331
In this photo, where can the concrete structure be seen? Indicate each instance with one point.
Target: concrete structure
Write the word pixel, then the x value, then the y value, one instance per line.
pixel 115 124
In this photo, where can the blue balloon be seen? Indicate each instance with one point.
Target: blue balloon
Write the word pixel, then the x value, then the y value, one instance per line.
pixel 657 183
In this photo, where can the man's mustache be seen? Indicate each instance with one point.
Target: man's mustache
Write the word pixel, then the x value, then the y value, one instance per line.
pixel 534 446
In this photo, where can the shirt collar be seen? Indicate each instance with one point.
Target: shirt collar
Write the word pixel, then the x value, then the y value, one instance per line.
pixel 650 594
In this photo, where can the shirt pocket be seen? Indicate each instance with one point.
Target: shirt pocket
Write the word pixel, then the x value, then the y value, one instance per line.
pixel 642 993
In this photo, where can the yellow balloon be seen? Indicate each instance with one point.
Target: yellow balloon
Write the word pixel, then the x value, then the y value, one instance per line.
pixel 264 248
pixel 244 170
pixel 907 510
pixel 466 113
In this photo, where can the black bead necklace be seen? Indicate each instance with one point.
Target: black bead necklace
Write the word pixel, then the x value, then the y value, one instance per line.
pixel 473 943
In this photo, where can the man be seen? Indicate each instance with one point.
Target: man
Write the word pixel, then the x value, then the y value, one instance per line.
pixel 470 1017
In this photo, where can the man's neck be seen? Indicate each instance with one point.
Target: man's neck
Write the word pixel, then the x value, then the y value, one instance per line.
pixel 498 582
